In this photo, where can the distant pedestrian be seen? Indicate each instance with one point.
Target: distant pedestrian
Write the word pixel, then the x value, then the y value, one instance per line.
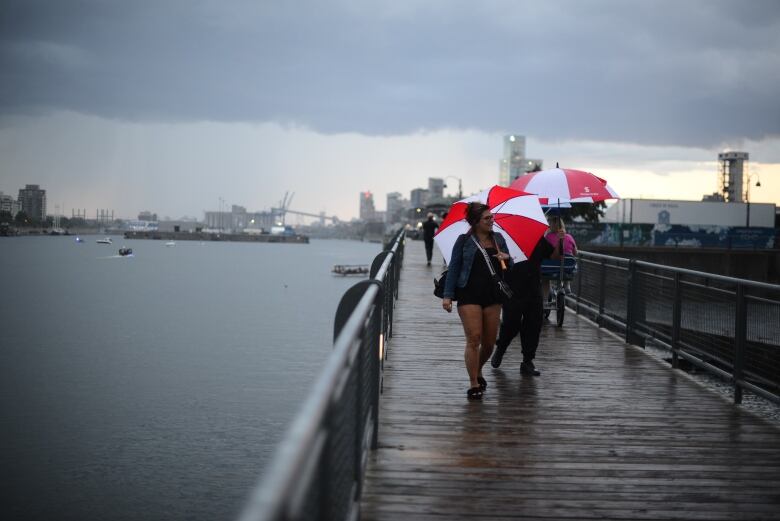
pixel 569 246
pixel 478 304
pixel 429 230
pixel 523 312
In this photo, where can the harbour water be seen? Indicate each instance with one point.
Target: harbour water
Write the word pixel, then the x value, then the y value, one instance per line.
pixel 155 386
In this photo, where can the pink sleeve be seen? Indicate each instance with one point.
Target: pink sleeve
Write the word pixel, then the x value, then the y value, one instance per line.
pixel 569 245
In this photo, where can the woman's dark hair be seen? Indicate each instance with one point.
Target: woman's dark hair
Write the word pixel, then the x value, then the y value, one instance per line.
pixel 474 212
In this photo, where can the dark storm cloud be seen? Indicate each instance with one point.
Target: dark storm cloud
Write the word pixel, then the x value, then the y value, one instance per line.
pixel 665 72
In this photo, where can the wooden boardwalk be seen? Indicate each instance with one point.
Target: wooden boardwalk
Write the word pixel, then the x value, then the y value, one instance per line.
pixel 607 432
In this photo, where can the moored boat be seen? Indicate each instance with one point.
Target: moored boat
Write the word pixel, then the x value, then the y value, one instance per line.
pixel 107 240
pixel 350 269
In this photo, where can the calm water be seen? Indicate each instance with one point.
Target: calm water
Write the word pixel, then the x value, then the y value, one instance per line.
pixel 157 386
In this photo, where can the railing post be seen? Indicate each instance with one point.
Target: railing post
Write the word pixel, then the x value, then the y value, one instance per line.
pixel 579 283
pixel 676 320
pixel 740 334
pixel 635 309
pixel 602 292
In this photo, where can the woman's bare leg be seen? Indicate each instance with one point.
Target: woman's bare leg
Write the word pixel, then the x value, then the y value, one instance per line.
pixel 471 317
pixel 491 318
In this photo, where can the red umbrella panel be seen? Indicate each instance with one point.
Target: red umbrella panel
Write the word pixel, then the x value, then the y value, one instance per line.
pixel 517 216
pixel 564 185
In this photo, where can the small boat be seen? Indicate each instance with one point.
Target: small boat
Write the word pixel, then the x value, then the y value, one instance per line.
pixel 79 239
pixel 107 240
pixel 124 252
pixel 170 243
pixel 350 269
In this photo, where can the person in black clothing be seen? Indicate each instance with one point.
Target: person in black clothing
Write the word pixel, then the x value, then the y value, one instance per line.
pixel 523 313
pixel 429 230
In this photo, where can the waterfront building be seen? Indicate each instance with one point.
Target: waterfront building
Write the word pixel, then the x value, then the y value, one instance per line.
pixel 513 161
pixel 367 206
pixel 690 213
pixel 395 207
pixel 9 204
pixel 435 188
pixel 147 216
pixel 220 221
pixel 419 198
pixel 33 202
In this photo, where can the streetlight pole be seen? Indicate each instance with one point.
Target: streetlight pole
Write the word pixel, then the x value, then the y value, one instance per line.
pixel 747 195
pixel 460 185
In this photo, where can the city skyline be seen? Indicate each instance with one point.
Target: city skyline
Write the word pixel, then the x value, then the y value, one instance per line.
pixel 108 105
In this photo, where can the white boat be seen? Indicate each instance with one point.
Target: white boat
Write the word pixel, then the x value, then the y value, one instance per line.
pixel 350 269
pixel 107 240
pixel 170 243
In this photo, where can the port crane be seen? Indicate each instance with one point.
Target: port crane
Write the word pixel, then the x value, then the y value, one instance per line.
pixel 284 208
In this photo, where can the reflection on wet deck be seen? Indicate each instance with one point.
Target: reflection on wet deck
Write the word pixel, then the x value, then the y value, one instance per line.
pixel 607 432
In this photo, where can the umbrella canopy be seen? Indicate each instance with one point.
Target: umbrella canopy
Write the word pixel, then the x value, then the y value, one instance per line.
pixel 517 216
pixel 564 185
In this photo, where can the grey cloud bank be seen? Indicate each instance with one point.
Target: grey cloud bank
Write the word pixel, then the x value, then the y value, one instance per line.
pixel 694 73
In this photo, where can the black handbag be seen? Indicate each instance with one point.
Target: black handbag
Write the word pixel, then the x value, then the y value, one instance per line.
pixel 501 289
pixel 438 284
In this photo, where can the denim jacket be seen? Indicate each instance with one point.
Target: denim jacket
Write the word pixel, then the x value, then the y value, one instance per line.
pixel 462 259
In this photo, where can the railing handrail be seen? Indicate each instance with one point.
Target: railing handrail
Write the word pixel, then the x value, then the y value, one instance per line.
pixel 272 495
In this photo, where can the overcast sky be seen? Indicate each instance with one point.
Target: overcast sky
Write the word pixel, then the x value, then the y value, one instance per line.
pixel 170 105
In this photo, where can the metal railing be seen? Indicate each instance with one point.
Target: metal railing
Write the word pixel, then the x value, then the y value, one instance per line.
pixel 726 326
pixel 317 472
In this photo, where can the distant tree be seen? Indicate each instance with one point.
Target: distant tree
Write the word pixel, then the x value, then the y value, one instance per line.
pixel 22 219
pixel 590 213
pixel 6 217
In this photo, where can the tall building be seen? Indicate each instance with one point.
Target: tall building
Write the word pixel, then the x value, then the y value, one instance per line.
pixel 419 197
pixel 33 202
pixel 367 206
pixel 395 207
pixel 732 167
pixel 8 204
pixel 513 162
pixel 435 188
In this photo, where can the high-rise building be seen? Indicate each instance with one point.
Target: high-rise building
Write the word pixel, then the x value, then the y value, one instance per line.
pixel 367 206
pixel 513 162
pixel 419 197
pixel 395 207
pixel 435 188
pixel 33 202
pixel 8 204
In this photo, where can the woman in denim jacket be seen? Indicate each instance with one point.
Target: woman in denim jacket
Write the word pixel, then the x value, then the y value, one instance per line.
pixel 478 305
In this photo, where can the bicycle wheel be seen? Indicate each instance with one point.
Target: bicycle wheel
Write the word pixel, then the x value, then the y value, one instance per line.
pixel 560 307
pixel 548 306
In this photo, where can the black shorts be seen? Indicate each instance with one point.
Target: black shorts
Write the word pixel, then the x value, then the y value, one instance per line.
pixel 483 297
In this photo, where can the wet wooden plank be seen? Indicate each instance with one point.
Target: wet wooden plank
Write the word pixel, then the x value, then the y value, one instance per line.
pixel 606 432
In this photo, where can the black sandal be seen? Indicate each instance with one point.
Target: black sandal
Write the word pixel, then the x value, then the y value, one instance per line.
pixel 482 383
pixel 475 393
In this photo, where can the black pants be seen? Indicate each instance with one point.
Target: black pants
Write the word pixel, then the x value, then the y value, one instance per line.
pixel 429 249
pixel 524 317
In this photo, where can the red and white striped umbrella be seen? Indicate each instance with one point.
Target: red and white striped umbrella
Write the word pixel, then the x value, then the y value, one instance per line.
pixel 517 216
pixel 564 185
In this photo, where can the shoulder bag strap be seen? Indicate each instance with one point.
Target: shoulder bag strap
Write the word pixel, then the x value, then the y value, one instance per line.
pixel 485 255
